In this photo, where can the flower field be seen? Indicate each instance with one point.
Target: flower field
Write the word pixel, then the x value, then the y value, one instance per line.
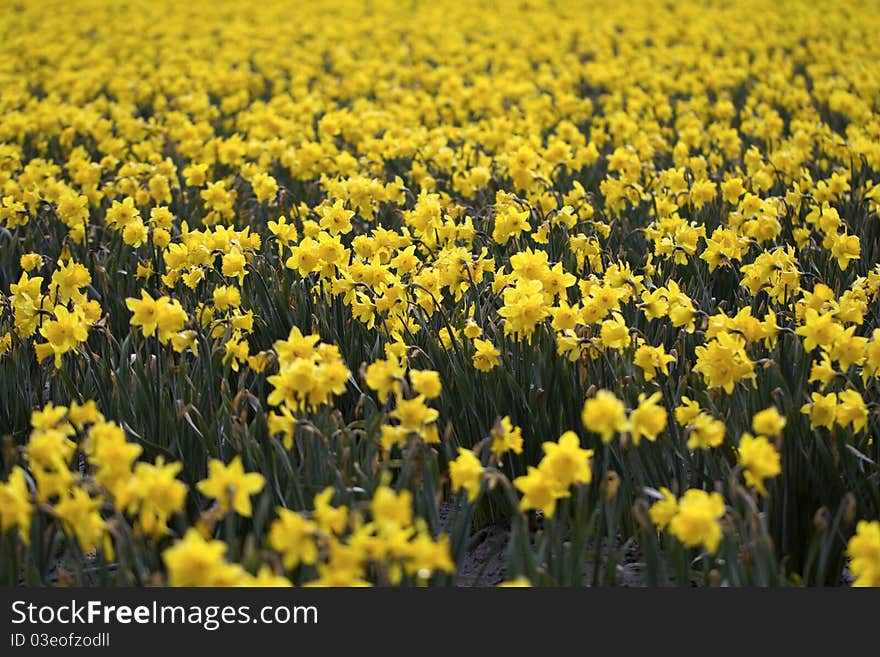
pixel 310 293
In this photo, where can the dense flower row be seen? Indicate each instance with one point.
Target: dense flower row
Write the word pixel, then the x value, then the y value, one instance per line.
pixel 279 282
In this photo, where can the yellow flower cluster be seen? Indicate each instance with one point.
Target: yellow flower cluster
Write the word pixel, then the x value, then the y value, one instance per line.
pixel 564 464
pixel 757 456
pixel 694 519
pixel 864 549
pixel 148 494
pixel 60 312
pixel 309 373
pixel 342 543
pixel 606 415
